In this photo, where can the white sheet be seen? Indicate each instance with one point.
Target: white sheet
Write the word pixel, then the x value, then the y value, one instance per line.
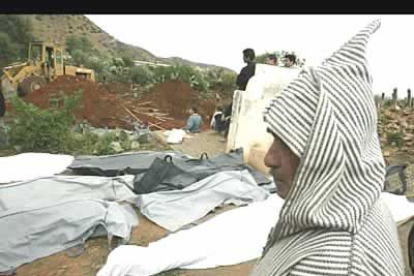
pixel 175 136
pixel 233 237
pixel 400 207
pixel 176 208
pixel 27 166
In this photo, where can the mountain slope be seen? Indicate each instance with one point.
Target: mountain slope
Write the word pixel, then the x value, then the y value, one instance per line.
pixel 57 28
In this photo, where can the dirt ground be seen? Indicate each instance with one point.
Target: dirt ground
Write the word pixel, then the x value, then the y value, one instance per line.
pixel 96 250
pixel 208 141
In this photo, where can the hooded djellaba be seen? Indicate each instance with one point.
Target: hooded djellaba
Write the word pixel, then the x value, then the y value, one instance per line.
pixel 332 221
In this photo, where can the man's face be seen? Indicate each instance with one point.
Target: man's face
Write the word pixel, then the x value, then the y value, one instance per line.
pixel 283 164
pixel 270 61
pixel 288 63
pixel 190 111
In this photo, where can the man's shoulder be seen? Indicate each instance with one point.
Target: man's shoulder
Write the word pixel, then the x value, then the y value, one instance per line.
pixel 309 247
pixel 195 116
pixel 244 68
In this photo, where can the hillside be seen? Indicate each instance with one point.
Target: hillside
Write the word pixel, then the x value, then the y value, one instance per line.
pixel 58 27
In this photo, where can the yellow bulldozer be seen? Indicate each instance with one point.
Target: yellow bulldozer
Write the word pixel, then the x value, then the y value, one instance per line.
pixel 46 62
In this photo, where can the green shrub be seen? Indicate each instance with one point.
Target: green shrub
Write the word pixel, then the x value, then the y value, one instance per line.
pixel 395 138
pixel 42 130
pixel 15 35
pixel 220 80
pixel 141 75
pixel 90 143
pixel 103 145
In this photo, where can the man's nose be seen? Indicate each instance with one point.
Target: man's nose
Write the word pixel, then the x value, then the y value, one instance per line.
pixel 270 159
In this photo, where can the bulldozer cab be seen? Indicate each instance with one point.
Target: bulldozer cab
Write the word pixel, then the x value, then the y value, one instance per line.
pixel 48 57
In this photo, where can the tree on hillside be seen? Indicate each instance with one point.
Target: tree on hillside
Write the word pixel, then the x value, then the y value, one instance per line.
pixel 15 35
pixel 74 43
pixel 128 62
pixel 17 27
pixel 142 75
pixel 82 52
pixel 8 50
pixel 221 80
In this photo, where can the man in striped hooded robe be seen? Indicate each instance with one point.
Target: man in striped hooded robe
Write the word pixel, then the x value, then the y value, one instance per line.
pixel 327 162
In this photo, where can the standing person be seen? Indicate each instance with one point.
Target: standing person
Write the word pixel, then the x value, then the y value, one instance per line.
pixel 2 104
pixel 328 166
pixel 248 71
pixel 242 80
pixel 194 122
pixel 271 59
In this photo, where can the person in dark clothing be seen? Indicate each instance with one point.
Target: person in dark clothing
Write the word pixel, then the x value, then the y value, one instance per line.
pixel 217 119
pixel 2 105
pixel 221 120
pixel 248 71
pixel 227 119
pixel 227 112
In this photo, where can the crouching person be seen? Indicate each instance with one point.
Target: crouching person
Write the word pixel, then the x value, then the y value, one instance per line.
pixel 194 122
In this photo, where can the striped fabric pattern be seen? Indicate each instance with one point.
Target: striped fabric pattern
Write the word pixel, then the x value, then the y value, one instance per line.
pixel 332 222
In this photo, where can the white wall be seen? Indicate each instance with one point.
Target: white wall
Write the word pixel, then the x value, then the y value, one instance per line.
pixel 247 129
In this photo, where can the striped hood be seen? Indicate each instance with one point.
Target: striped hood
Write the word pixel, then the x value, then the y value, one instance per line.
pixel 327 117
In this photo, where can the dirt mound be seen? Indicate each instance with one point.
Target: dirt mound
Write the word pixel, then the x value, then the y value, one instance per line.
pixel 174 97
pixel 102 105
pixel 118 88
pixel 96 101
pixel 116 105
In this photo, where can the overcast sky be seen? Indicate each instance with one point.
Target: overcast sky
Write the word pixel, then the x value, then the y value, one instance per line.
pixel 220 39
